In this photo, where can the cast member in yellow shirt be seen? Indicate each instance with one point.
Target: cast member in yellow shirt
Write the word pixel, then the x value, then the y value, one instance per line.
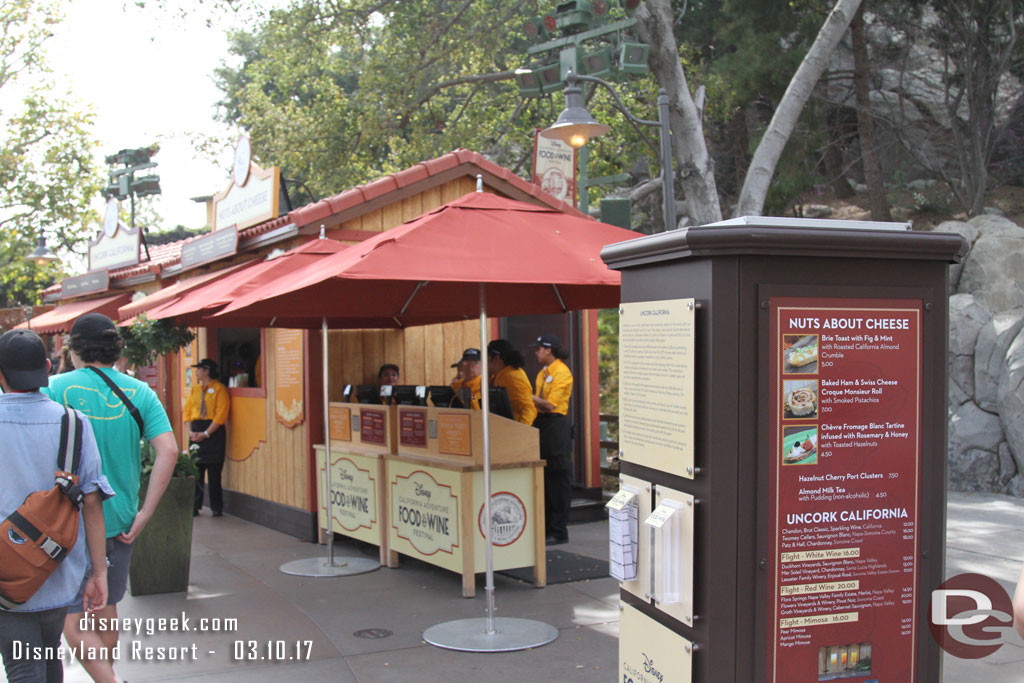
pixel 552 391
pixel 506 367
pixel 468 376
pixel 206 413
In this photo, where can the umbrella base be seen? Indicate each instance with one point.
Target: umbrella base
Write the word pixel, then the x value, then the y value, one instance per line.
pixel 469 635
pixel 319 566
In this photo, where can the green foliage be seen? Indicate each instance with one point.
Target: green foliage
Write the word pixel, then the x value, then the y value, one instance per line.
pixel 184 467
pixel 386 85
pixel 146 339
pixel 608 359
pixel 47 174
pixel 175 234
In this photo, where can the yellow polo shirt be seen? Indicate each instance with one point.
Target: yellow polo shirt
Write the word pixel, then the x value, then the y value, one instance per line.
pixel 218 403
pixel 554 383
pixel 519 394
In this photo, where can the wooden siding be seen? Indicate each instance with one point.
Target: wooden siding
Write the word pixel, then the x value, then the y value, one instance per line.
pixel 278 469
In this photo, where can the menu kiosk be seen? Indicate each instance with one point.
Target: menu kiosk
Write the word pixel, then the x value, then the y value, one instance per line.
pixel 783 436
pixel 361 438
pixel 436 492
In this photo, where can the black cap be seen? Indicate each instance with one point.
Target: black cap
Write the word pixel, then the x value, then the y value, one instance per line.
pixel 94 327
pixel 549 341
pixel 499 346
pixel 23 360
pixel 207 364
pixel 470 354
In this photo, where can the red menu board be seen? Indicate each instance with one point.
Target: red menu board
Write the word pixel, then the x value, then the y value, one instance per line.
pixel 846 405
pixel 412 427
pixel 372 424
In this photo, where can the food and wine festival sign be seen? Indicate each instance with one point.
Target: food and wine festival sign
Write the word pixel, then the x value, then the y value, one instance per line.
pixel 844 485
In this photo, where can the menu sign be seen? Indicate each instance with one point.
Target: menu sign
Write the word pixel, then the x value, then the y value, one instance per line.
pixel 845 424
pixel 373 424
pixel 412 427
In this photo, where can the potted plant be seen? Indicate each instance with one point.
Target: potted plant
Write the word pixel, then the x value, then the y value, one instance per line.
pixel 146 339
pixel 163 551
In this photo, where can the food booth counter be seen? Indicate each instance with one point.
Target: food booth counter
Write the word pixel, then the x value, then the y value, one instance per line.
pixel 410 480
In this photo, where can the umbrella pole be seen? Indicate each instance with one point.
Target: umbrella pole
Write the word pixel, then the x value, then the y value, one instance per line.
pixel 489 634
pixel 327 444
pixel 312 566
pixel 485 409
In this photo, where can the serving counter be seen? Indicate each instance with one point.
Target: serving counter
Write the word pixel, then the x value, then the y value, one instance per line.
pixel 361 437
pixel 410 480
pixel 436 492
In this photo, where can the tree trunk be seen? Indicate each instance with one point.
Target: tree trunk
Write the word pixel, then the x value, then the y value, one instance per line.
pixel 739 141
pixel 695 167
pixel 865 126
pixel 766 157
pixel 833 159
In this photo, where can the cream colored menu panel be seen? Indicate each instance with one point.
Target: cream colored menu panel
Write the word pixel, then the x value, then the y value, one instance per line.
pixel 650 652
pixel 656 364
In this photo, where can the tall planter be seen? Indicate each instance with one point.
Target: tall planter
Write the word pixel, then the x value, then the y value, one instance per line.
pixel 163 551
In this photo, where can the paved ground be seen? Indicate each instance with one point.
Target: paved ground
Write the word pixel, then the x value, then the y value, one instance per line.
pixel 235 574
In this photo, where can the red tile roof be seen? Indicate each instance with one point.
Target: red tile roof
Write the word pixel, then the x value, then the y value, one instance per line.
pixel 424 173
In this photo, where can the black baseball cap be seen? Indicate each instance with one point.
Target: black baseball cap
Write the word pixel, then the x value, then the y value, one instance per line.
pixel 94 327
pixel 207 364
pixel 550 341
pixel 23 360
pixel 469 354
pixel 499 346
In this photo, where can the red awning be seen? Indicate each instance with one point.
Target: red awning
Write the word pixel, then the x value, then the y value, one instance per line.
pixel 170 293
pixel 61 318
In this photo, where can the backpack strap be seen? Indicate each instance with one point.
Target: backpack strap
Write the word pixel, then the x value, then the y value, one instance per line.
pixel 70 445
pixel 120 394
pixel 49 546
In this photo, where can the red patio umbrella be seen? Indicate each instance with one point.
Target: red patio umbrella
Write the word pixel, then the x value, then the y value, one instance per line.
pixel 195 305
pixel 480 254
pixel 172 293
pixel 532 260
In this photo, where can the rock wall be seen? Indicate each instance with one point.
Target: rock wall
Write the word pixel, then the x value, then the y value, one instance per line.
pixel 986 358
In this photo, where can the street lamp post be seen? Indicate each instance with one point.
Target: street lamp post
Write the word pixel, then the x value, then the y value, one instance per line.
pixel 575 126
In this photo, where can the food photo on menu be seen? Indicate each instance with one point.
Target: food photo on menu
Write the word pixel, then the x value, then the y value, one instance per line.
pixel 800 353
pixel 800 399
pixel 800 445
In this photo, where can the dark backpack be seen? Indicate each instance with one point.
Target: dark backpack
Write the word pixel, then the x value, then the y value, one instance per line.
pixel 35 538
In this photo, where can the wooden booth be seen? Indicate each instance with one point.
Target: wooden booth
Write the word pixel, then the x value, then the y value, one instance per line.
pixel 272 474
pixel 276 384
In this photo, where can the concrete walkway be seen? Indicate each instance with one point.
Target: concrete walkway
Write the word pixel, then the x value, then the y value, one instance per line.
pixel 368 628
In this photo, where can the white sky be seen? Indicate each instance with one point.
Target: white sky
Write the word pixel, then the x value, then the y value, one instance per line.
pixel 148 75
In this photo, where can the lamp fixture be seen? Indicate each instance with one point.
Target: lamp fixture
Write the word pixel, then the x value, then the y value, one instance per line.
pixel 575 126
pixel 41 255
